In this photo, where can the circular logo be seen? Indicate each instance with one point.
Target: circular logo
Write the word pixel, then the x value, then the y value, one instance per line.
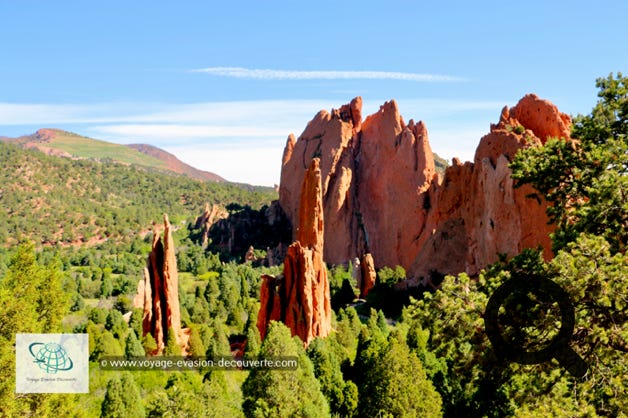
pixel 532 296
pixel 50 357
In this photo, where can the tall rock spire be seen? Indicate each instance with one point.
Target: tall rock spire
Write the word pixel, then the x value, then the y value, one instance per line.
pixel 301 297
pixel 160 290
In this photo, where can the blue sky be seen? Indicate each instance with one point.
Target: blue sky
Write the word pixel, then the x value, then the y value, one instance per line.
pixel 185 76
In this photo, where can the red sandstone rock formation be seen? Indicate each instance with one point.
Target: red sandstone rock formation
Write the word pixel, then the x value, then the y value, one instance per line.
pixel 368 275
pixel 250 256
pixel 159 292
pixel 300 298
pixel 207 219
pixel 371 172
pixel 381 194
pixel 477 213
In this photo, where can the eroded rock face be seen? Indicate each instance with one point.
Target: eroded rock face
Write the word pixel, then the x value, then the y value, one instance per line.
pixel 205 221
pixel 381 194
pixel 300 298
pixel 371 171
pixel 160 292
pixel 477 213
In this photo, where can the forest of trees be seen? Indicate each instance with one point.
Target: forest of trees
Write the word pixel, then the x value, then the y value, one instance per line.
pixel 52 200
pixel 392 356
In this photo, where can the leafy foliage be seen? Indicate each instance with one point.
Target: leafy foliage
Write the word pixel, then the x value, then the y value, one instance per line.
pixel 471 379
pixel 31 301
pixel 342 395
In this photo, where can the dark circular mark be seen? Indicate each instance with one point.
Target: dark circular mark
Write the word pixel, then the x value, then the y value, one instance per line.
pixel 558 347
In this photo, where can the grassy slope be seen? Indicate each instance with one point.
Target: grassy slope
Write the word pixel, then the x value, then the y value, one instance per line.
pixel 80 146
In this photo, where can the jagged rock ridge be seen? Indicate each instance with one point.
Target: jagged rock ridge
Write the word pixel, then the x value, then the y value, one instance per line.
pixel 382 195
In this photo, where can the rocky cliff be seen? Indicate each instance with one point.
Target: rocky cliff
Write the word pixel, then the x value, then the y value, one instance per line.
pixel 372 172
pixel 381 194
pixel 233 231
pixel 205 221
pixel 300 298
pixel 158 291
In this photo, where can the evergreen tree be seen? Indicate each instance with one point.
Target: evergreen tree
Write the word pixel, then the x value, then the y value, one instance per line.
pixel 253 342
pixel 182 397
pixel 32 300
pixel 347 330
pixel 172 348
pixel 394 383
pixel 135 322
pixel 196 348
pixel 116 324
pixel 122 399
pixel 343 296
pixel 341 395
pixel 294 392
pixel 149 344
pixel 133 347
pixel 108 345
pixel 106 285
pixel 219 344
pixel 94 334
pixel 199 313
pixel 219 401
pixel 113 404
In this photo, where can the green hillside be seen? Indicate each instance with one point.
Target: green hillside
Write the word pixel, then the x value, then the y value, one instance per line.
pixel 67 144
pixel 59 200
pixel 441 164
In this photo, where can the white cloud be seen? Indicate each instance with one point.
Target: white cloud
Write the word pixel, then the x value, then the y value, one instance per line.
pixel 459 142
pixel 174 131
pixel 12 114
pixel 24 114
pixel 266 74
pixel 240 163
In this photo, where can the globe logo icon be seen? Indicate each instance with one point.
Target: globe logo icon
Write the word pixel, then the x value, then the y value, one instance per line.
pixel 50 357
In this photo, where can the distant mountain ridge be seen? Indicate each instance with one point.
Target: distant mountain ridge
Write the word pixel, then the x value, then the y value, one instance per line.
pixel 57 142
pixel 174 164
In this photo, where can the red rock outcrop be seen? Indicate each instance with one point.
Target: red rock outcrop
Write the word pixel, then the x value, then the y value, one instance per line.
pixel 250 256
pixel 370 170
pixel 367 276
pixel 207 219
pixel 159 291
pixel 477 213
pixel 301 297
pixel 381 194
